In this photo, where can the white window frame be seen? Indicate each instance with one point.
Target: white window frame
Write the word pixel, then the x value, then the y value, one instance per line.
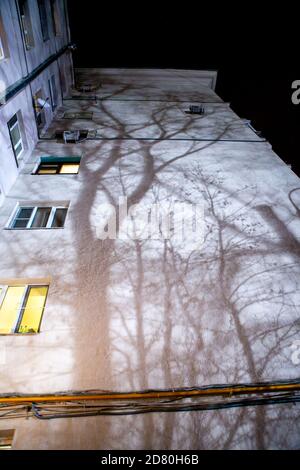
pixel 20 311
pixel 20 141
pixel 30 221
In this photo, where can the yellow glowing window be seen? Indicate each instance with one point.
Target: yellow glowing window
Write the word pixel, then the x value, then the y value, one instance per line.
pixel 69 169
pixel 22 308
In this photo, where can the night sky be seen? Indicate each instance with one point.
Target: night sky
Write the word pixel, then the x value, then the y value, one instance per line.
pixel 256 55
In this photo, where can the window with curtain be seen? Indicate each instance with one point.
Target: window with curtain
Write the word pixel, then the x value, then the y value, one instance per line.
pixel 43 19
pixel 39 217
pixel 53 92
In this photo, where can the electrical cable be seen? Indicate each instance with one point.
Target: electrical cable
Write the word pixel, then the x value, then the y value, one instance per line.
pixel 85 403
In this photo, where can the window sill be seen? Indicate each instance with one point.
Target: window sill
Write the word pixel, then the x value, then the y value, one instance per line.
pixel 32 229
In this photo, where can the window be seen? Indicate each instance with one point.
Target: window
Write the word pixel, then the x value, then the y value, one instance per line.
pixel 2 55
pixel 39 217
pixel 63 81
pixel 15 136
pixel 22 308
pixel 3 42
pixel 55 17
pixel 195 109
pixel 58 165
pixel 43 19
pixel 6 438
pixel 53 92
pixel 26 23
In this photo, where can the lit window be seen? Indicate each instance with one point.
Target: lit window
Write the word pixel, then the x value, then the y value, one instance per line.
pixel 43 19
pixel 3 42
pixel 6 438
pixel 26 23
pixel 21 308
pixel 15 136
pixel 55 17
pixel 39 217
pixel 53 92
pixel 58 166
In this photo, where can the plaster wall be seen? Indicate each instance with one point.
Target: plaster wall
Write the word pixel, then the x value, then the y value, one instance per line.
pixel 16 65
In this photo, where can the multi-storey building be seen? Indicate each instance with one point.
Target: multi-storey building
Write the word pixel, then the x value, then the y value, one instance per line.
pixel 79 312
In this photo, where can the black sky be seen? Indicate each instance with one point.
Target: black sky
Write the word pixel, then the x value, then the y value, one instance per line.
pixel 256 54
